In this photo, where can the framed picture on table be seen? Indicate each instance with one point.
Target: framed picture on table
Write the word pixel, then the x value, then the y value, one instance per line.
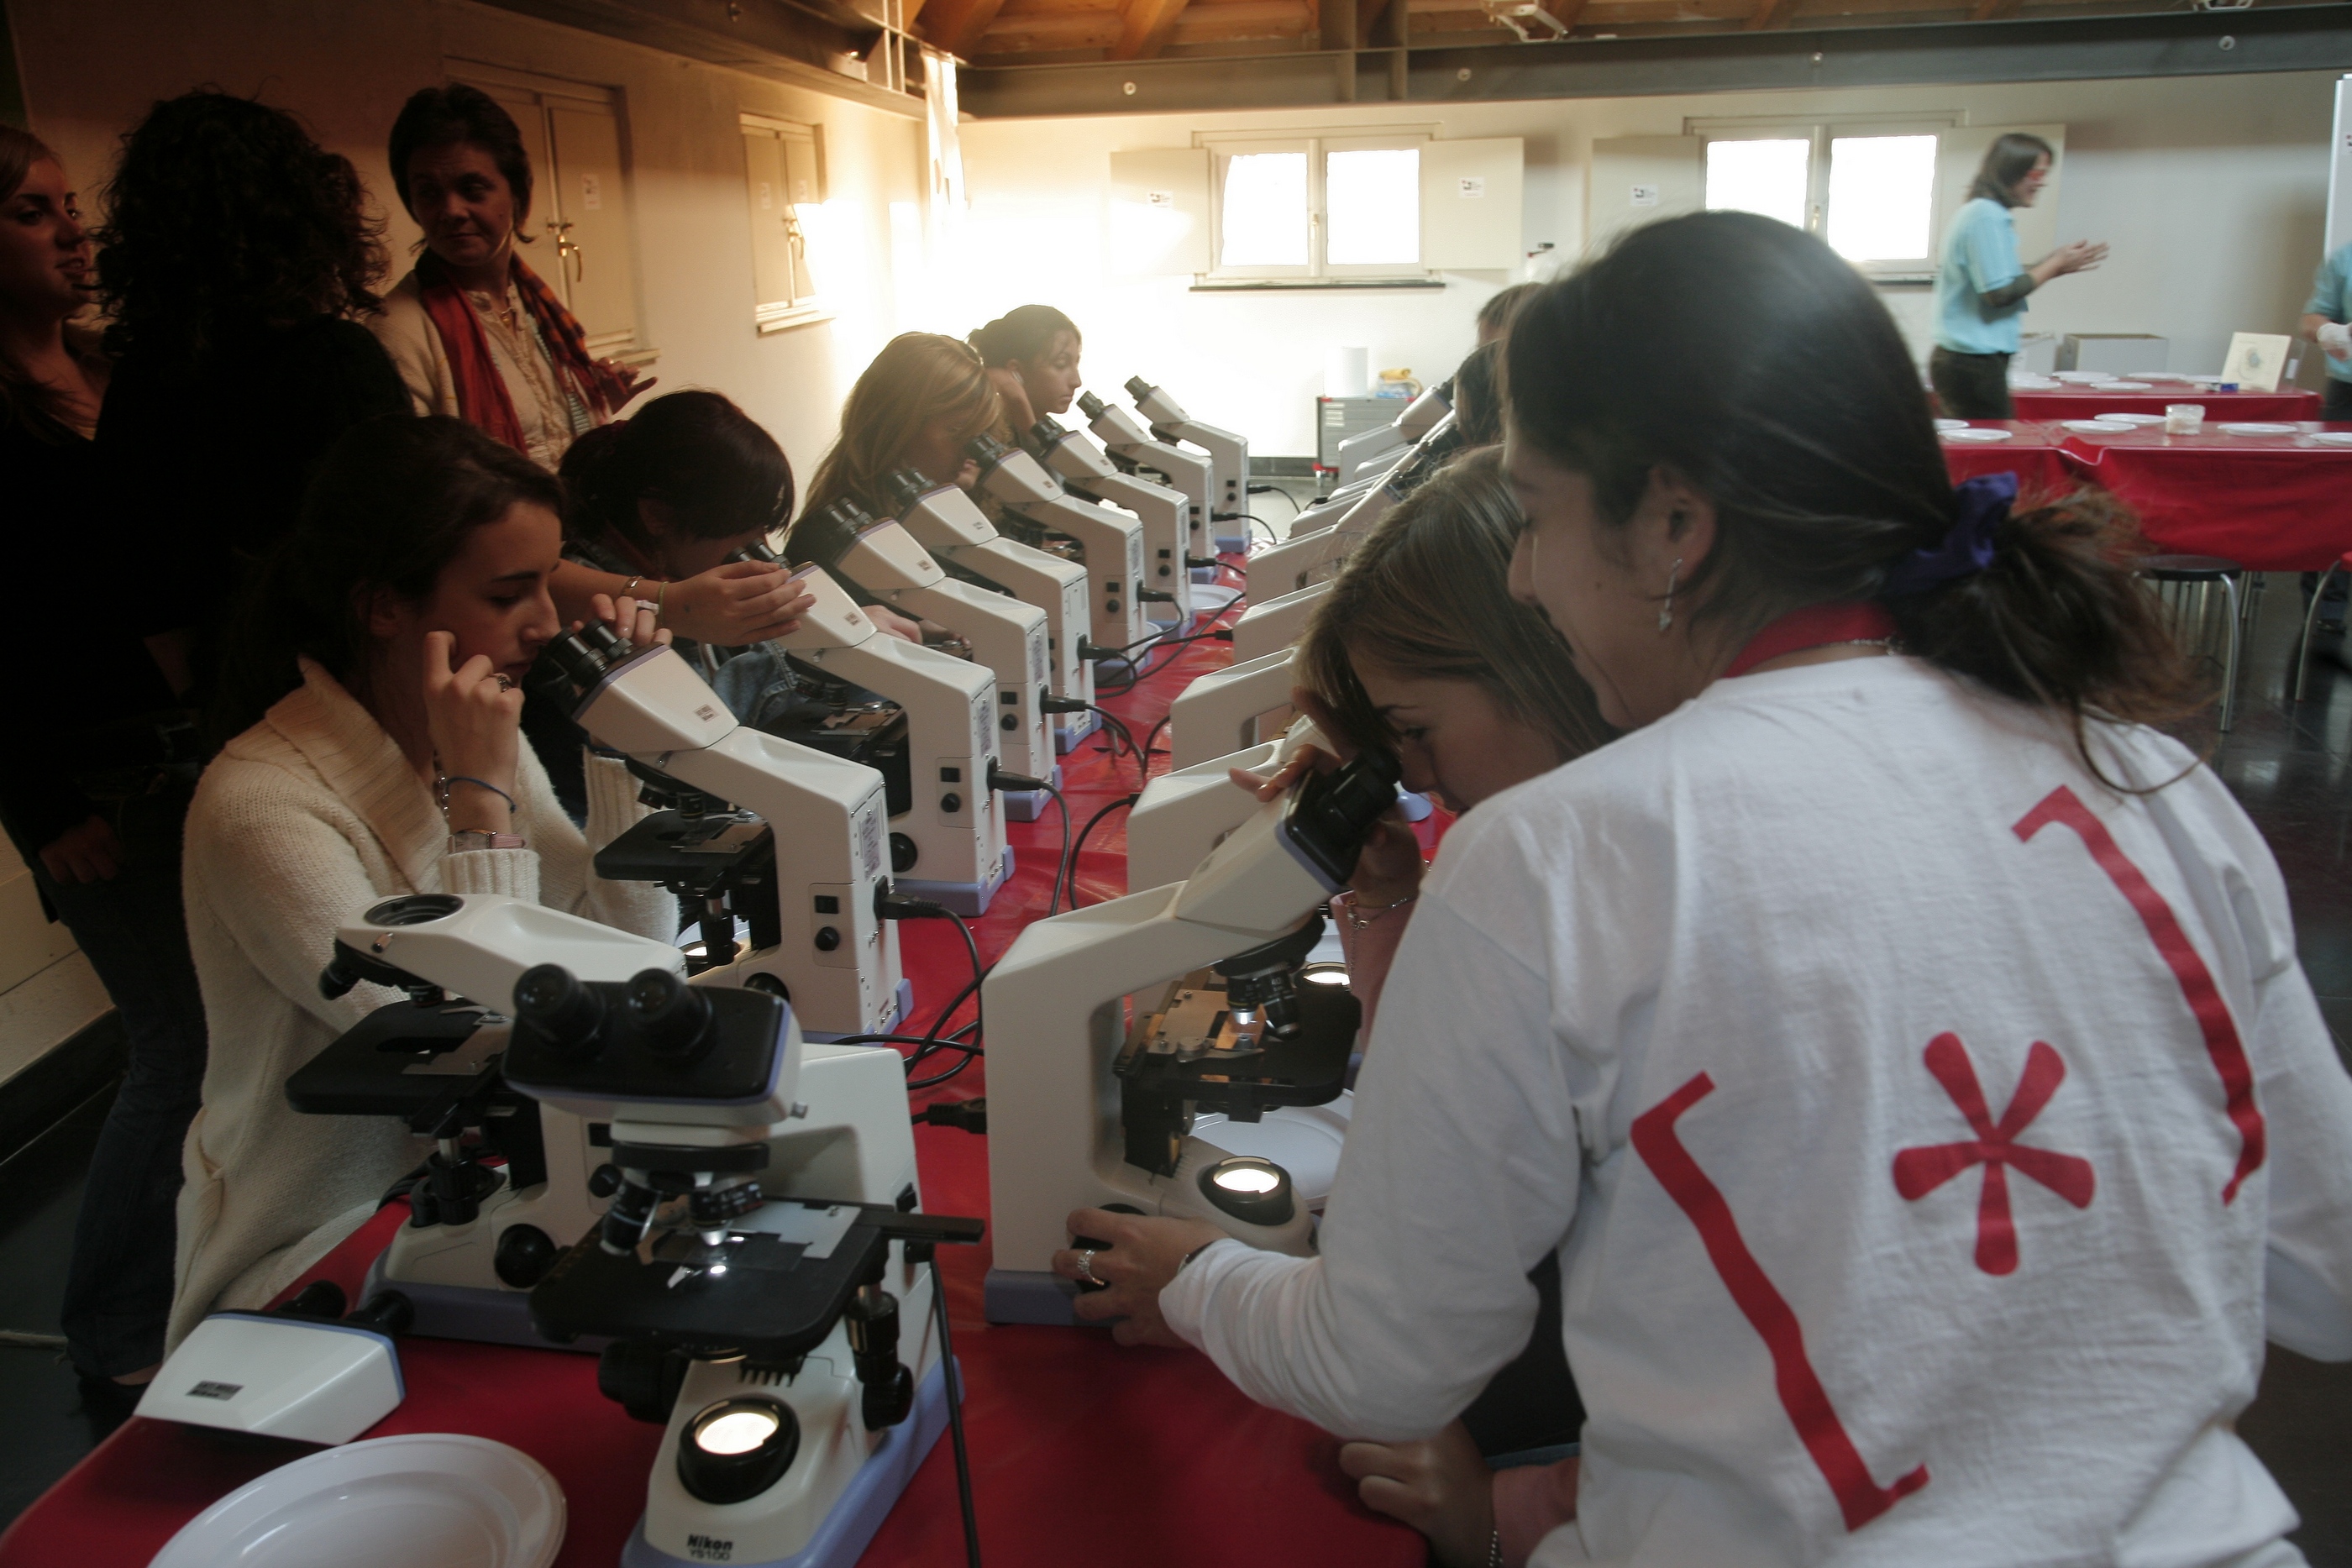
pixel 2257 359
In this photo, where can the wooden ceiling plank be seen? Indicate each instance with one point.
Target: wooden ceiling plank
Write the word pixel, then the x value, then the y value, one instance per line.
pixel 1771 14
pixel 955 26
pixel 1144 30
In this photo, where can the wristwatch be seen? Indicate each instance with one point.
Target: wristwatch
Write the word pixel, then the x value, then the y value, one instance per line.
pixel 458 842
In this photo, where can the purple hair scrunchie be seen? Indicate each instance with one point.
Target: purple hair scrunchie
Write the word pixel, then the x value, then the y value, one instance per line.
pixel 1984 505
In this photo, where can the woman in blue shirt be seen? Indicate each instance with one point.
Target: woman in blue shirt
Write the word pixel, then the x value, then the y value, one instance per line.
pixel 2331 307
pixel 1980 289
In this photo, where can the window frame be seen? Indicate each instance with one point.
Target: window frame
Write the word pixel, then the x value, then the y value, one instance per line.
pixel 1821 133
pixel 796 309
pixel 1319 269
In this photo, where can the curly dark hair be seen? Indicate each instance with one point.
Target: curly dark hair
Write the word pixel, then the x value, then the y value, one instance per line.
pixel 460 115
pixel 225 215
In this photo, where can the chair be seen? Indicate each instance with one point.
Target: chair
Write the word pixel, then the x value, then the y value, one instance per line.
pixel 2311 621
pixel 2200 573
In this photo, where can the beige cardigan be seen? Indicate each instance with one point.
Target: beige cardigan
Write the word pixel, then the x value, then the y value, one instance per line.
pixel 551 418
pixel 300 824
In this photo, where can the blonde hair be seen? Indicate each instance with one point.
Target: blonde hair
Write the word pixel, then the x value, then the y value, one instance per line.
pixel 917 378
pixel 1427 593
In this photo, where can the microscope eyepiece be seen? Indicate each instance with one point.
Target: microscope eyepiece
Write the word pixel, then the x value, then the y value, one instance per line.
pixel 1138 389
pixel 758 550
pixel 607 642
pixel 580 663
pixel 905 487
pixel 550 999
pixel 1091 405
pixel 986 450
pixel 1045 433
pixel 825 537
pixel 673 1018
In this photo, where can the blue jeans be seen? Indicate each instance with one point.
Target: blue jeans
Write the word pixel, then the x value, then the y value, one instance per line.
pixel 131 929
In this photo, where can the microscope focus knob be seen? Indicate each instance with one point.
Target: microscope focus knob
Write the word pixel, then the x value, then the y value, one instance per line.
pixel 550 999
pixel 524 1253
pixel 604 1180
pixel 673 1017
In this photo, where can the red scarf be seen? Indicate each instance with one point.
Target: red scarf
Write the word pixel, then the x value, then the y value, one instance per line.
pixel 1815 626
pixel 482 397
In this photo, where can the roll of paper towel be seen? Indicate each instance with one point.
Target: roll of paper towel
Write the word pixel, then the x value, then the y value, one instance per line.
pixel 1345 371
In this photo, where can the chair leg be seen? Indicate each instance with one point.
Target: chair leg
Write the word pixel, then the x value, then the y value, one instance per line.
pixel 2230 658
pixel 2310 620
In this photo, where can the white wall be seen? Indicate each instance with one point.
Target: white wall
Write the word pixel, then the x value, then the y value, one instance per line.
pixel 346 66
pixel 2211 190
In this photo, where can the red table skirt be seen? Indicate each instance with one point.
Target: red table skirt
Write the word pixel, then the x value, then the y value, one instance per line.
pixel 2283 405
pixel 2270 503
pixel 1147 1457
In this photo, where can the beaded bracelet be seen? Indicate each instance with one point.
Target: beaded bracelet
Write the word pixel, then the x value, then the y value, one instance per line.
pixel 441 789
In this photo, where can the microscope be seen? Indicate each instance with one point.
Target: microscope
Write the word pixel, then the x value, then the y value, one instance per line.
pixel 1109 543
pixel 1226 710
pixel 1228 453
pixel 1187 811
pixel 947 843
pixel 1237 1040
pixel 946 522
pixel 1129 442
pixel 1170 547
pixel 1376 449
pixel 1319 540
pixel 1007 636
pixel 818 936
pixel 725 1213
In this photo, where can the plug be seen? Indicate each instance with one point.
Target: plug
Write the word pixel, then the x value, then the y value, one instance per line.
pixel 1000 778
pixel 906 907
pixel 971 1115
pixel 1154 595
pixel 1064 705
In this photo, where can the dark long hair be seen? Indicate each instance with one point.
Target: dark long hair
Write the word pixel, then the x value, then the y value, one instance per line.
pixel 1795 408
pixel 1429 591
pixel 1024 332
pixel 2010 159
pixel 1478 395
pixel 699 454
pixel 458 115
pixel 225 215
pixel 37 405
pixel 391 504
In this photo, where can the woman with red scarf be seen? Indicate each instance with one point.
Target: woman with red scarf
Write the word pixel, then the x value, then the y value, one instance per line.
pixel 478 335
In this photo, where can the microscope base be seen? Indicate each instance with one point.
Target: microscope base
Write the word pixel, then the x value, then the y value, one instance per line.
pixel 968 899
pixel 901 1007
pixel 471 1313
pixel 1028 805
pixel 1070 728
pixel 1213 600
pixel 1029 1296
pixel 1233 544
pixel 863 1505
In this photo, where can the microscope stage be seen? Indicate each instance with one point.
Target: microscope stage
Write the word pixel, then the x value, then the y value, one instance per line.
pixel 1193 1050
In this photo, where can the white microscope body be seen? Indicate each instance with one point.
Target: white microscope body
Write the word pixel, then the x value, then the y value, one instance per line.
pixel 827 946
pixel 1375 449
pixel 949 845
pixel 1008 636
pixel 1187 811
pixel 946 522
pixel 1228 709
pixel 1085 1112
pixel 1169 548
pixel 1319 541
pixel 1111 541
pixel 1127 437
pixel 1228 452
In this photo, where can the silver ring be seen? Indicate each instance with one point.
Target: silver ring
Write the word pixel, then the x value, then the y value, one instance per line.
pixel 1087 1268
pixel 506 682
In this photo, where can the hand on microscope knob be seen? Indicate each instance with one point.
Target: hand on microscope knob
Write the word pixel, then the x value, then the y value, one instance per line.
pixel 476 725
pixel 1141 1253
pixel 636 620
pixel 736 605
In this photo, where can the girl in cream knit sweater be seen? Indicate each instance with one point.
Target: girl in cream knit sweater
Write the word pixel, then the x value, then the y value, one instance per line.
pixel 409 603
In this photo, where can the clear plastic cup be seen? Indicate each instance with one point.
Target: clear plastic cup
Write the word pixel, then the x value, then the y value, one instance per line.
pixel 2183 418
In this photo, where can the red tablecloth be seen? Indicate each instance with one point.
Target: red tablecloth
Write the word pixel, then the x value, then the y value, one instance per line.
pixel 1145 1458
pixel 2072 405
pixel 2270 503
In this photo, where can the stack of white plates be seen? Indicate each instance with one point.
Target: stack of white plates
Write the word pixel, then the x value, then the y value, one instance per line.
pixel 2022 383
pixel 2100 426
pixel 1951 424
pixel 2120 386
pixel 2083 378
pixel 1974 432
pixel 423 1500
pixel 2332 437
pixel 2158 376
pixel 2257 427
pixel 2131 418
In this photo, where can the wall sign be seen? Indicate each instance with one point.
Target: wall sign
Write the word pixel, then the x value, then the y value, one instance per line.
pixel 1472 186
pixel 1646 195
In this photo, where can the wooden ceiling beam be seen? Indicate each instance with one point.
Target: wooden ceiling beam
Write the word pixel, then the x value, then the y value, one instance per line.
pixel 1771 14
pixel 955 26
pixel 1145 29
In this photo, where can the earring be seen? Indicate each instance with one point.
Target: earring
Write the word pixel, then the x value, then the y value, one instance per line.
pixel 1666 610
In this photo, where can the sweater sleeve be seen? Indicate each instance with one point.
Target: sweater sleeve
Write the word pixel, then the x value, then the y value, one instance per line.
pixel 564 858
pixel 1421 1290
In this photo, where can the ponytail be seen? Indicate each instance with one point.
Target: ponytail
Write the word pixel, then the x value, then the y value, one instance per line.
pixel 706 460
pixel 1026 332
pixel 1793 405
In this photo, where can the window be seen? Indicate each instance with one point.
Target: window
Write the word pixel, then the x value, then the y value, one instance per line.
pixel 1316 209
pixel 1869 190
pixel 784 194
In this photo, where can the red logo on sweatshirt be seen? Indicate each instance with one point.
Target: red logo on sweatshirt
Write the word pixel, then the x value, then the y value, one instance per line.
pixel 1920 1171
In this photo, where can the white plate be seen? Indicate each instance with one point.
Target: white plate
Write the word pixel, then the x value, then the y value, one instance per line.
pixel 2099 426
pixel 423 1500
pixel 1951 424
pixel 2253 427
pixel 2130 418
pixel 2204 381
pixel 2083 378
pixel 2120 386
pixel 2332 437
pixel 1974 433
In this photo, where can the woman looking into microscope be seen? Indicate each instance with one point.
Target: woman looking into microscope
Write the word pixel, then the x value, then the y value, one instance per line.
pixel 1032 355
pixel 1725 1009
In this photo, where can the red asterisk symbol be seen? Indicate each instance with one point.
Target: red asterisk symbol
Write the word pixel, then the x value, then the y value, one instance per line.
pixel 1920 1171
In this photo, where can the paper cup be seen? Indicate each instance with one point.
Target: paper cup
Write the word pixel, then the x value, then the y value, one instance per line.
pixel 2183 418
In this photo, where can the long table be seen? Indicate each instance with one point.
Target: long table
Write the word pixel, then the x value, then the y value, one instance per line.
pixel 2081 402
pixel 2270 503
pixel 1146 1458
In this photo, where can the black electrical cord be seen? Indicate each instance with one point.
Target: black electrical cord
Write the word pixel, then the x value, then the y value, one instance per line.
pixel 1053 903
pixel 1116 731
pixel 1098 816
pixel 954 1377
pixel 1152 735
pixel 903 907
